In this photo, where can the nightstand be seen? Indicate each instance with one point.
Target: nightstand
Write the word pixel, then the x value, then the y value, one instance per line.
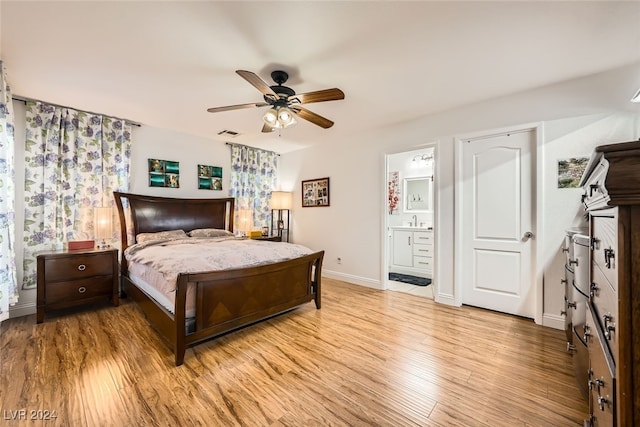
pixel 76 277
pixel 269 238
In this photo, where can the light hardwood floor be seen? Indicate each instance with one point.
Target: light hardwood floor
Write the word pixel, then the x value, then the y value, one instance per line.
pixel 366 358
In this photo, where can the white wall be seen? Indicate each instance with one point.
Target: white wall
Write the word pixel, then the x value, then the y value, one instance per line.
pixel 576 116
pixel 149 142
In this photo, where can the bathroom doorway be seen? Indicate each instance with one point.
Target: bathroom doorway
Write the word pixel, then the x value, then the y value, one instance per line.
pixel 409 225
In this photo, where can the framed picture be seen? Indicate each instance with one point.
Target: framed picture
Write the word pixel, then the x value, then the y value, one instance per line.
pixel 164 173
pixel 570 171
pixel 209 177
pixel 315 192
pixel 393 193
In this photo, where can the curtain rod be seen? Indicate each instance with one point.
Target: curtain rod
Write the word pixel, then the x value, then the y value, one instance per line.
pixel 233 143
pixel 25 99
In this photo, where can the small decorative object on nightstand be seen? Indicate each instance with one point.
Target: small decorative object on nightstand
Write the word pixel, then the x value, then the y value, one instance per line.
pixel 76 277
pixel 275 238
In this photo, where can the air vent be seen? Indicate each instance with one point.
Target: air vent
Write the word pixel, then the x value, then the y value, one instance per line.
pixel 227 132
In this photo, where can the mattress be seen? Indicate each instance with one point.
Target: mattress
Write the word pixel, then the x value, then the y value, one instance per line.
pixel 154 266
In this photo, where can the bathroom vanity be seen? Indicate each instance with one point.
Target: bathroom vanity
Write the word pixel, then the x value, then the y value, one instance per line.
pixel 412 251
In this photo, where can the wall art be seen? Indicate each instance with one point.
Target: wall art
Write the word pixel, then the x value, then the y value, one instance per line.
pixel 209 177
pixel 393 193
pixel 315 192
pixel 164 173
pixel 570 171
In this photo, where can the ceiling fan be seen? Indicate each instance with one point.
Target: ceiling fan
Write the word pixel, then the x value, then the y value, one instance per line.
pixel 283 101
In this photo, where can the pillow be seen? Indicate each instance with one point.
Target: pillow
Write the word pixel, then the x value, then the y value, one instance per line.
pixel 210 232
pixel 161 235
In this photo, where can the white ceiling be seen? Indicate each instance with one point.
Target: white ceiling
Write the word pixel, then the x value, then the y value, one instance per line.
pixel 163 63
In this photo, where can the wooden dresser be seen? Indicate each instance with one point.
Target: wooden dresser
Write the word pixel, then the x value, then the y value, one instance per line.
pixel 611 197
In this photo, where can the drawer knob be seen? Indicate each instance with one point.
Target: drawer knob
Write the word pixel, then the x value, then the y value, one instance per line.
pixel 563 281
pixel 586 335
pixel 82 267
pixel 595 383
pixel 602 401
pixel 609 256
pixel 82 289
pixel 571 304
pixel 573 262
pixel 609 325
pixel 593 290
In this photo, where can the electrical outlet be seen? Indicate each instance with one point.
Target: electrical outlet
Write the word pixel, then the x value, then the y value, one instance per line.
pixel 339 260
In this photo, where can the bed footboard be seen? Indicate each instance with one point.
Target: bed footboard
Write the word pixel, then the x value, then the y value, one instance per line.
pixel 227 300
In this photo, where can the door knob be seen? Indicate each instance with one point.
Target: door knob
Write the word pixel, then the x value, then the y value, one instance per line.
pixel 528 235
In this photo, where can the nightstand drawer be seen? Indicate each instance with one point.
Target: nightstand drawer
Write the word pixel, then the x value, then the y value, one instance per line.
pixel 78 267
pixel 68 293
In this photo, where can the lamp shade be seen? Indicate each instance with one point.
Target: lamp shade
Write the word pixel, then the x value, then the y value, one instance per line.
pixel 102 223
pixel 281 200
pixel 245 220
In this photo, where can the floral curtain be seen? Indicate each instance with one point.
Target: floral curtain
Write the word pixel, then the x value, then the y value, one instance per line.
pixel 8 281
pixel 74 161
pixel 253 177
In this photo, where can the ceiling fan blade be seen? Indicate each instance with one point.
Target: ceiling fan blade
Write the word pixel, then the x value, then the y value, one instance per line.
pixel 314 118
pixel 319 96
pixel 236 107
pixel 257 82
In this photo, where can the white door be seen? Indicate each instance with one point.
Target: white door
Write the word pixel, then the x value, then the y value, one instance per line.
pixel 496 223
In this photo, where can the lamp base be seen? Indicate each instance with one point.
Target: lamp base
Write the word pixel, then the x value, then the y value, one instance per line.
pixel 103 245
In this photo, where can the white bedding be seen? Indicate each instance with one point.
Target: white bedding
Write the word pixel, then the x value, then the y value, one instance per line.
pixel 155 265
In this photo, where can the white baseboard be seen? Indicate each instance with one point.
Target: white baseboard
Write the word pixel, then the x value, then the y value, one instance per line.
pixel 553 321
pixel 20 310
pixel 349 278
pixel 445 299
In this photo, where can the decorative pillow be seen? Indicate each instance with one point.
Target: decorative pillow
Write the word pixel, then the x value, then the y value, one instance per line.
pixel 161 235
pixel 210 232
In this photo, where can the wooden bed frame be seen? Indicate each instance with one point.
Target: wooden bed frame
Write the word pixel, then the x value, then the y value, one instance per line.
pixel 225 300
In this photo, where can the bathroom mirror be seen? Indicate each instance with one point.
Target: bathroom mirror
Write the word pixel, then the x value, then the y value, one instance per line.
pixel 418 194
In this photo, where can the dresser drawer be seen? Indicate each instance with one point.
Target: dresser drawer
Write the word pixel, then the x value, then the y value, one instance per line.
pixel 423 237
pixel 422 262
pixel 604 229
pixel 602 381
pixel 69 293
pixel 605 304
pixel 423 250
pixel 78 266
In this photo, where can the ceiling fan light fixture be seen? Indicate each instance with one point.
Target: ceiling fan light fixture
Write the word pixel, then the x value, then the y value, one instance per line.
pixel 271 117
pixel 285 117
pixel 283 102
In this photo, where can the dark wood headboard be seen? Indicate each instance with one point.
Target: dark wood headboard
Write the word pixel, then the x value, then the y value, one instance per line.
pixel 150 214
